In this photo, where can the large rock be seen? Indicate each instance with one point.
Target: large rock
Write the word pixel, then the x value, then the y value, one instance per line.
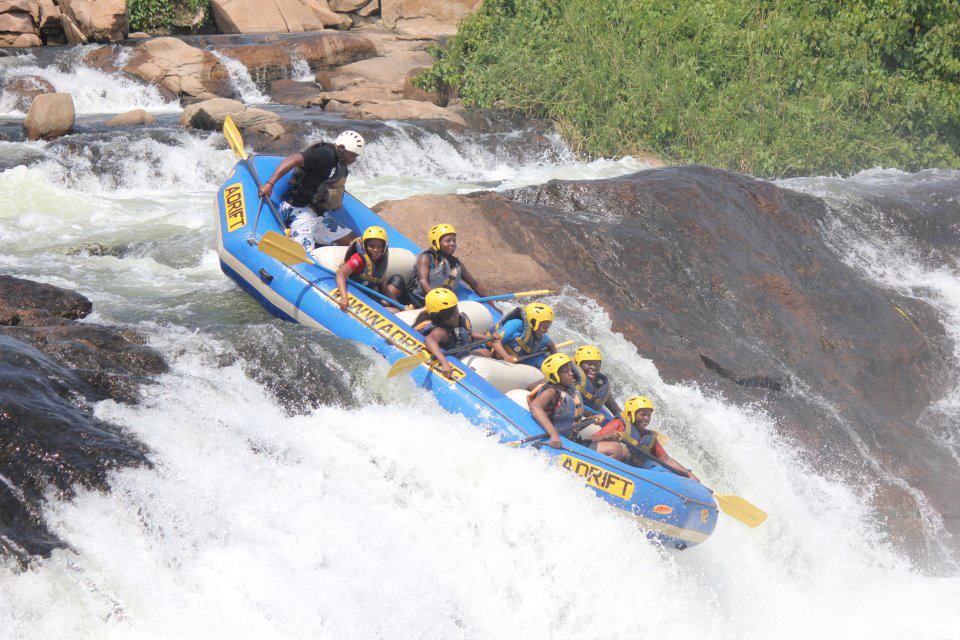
pixel 20 40
pixel 270 57
pixel 434 17
pixel 51 115
pixel 211 114
pixel 728 282
pixel 132 118
pixel 276 16
pixel 387 71
pixel 94 20
pixel 398 110
pixel 179 68
pixel 292 92
pixel 17 22
pixel 52 369
pixel 23 89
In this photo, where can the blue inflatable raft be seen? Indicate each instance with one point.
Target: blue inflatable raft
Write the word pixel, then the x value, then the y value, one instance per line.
pixel 677 511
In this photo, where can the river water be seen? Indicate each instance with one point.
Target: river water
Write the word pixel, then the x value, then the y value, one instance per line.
pixel 295 492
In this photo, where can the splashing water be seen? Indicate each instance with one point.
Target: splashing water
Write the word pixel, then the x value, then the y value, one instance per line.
pixel 378 514
pixel 240 80
pixel 93 91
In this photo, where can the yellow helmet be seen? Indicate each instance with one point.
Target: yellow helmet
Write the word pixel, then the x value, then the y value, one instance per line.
pixel 439 299
pixel 374 233
pixel 634 404
pixel 538 312
pixel 552 365
pixel 437 232
pixel 587 352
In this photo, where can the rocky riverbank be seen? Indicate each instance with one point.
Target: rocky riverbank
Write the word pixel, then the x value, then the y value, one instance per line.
pixel 53 368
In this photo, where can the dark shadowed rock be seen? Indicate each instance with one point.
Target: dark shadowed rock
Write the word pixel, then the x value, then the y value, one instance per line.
pixel 292 92
pixel 52 369
pixel 727 281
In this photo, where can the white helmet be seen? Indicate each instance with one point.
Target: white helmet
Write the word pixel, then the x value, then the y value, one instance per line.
pixel 351 141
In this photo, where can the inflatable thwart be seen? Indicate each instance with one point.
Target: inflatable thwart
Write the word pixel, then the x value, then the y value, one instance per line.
pixel 492 394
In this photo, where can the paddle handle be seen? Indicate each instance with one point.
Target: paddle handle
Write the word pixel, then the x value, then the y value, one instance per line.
pixel 507 296
pixel 256 180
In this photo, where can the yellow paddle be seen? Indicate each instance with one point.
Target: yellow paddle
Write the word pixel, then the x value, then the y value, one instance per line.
pixel 408 364
pixel 235 140
pixel 733 506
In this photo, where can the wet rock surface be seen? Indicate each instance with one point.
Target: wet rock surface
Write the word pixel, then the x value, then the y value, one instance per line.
pixel 52 370
pixel 727 281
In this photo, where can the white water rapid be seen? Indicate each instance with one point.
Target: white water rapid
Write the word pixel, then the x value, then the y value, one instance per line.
pixel 378 515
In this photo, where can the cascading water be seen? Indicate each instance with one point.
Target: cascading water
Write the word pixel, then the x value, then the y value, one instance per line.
pixel 369 512
pixel 93 91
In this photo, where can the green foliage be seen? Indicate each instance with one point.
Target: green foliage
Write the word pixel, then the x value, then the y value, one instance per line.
pixel 166 15
pixel 770 87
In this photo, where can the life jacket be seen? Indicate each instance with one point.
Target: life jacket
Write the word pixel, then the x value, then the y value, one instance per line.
pixel 595 392
pixel 373 272
pixel 444 272
pixel 329 194
pixel 456 336
pixel 566 411
pixel 526 343
pixel 646 439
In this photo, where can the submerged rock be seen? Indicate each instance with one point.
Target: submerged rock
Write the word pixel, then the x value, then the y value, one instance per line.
pixel 727 281
pixel 52 368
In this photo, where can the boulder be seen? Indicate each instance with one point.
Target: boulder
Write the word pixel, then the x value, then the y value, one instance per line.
pixel 32 299
pixel 17 22
pixel 22 6
pixel 137 35
pixel 399 110
pixel 324 17
pixel 369 9
pixel 270 58
pixel 434 17
pixel 48 19
pixel 94 20
pixel 51 115
pixel 132 118
pixel 174 65
pixel 254 16
pixel 300 94
pixel 347 99
pixel 23 89
pixel 20 40
pixel 389 71
pixel 210 115
pixel 346 6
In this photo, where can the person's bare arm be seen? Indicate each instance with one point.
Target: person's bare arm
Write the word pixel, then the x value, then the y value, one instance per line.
pixel 292 161
pixel 501 352
pixel 677 467
pixel 344 272
pixel 612 405
pixel 538 410
pixel 432 343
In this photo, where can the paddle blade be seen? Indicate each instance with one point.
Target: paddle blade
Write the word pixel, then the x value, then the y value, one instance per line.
pixel 287 251
pixel 408 364
pixel 234 139
pixel 529 294
pixel 737 507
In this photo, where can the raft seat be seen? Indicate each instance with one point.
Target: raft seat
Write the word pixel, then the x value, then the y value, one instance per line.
pixel 505 376
pixel 519 396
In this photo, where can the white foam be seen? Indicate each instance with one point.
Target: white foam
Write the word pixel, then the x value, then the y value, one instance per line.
pixel 93 91
pixel 240 80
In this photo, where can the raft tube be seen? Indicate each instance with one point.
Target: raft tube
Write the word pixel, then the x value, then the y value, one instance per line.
pixel 674 510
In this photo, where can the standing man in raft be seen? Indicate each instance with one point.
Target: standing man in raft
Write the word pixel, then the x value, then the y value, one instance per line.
pixel 316 189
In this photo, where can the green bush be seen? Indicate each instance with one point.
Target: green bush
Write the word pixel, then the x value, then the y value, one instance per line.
pixel 166 15
pixel 774 88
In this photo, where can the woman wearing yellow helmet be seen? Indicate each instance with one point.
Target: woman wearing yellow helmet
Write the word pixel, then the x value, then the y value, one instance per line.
pixel 438 267
pixel 523 332
pixel 556 404
pixel 445 328
pixel 637 412
pixel 593 385
pixel 366 262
